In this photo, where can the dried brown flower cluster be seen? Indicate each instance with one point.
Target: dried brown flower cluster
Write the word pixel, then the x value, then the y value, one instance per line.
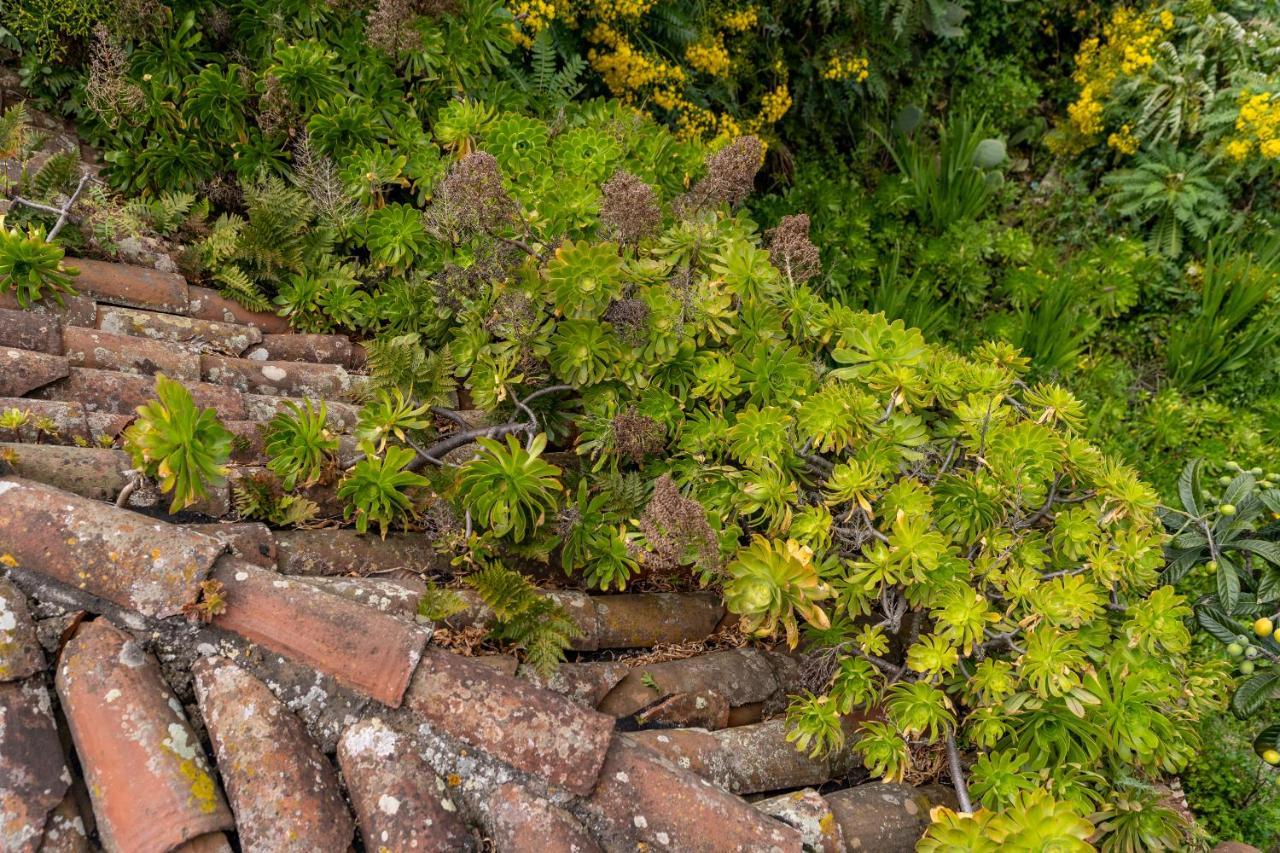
pixel 791 250
pixel 630 208
pixel 636 436
pixel 471 199
pixel 730 178
pixel 108 91
pixel 676 527
pixel 391 23
pixel 630 320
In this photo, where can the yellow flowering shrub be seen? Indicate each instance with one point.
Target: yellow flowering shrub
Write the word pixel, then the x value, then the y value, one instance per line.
pixel 847 67
pixel 1257 127
pixel 668 83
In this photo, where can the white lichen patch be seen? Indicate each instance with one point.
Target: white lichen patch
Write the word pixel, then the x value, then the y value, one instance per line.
pixel 388 804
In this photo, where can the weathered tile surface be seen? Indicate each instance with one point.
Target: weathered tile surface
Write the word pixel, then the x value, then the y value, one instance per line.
pixel 33 776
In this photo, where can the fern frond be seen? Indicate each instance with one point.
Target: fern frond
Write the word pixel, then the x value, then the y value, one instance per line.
pixel 57 176
pixel 526 617
pixel 235 285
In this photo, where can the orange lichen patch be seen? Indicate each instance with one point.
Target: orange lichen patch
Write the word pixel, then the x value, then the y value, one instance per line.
pixel 148 778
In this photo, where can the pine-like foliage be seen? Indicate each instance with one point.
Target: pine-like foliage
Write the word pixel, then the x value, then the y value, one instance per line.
pixel 526 618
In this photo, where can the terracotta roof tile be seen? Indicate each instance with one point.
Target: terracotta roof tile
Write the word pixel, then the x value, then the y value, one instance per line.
pixel 137 287
pixel 91 472
pixel 128 354
pixel 23 371
pixel 122 393
pixel 283 790
pixel 641 800
pixel 531 729
pixel 191 332
pixel 65 830
pixel 323 349
pixel 148 778
pixel 214 842
pixel 74 310
pixel 810 815
pixel 33 776
pixel 887 817
pixel 639 620
pixel 400 803
pixel 343 552
pixel 126 558
pixel 27 330
pixel 518 818
pixel 745 759
pixel 70 419
pixel 207 304
pixel 278 378
pixel 20 652
pixel 702 709
pixel 396 597
pixel 743 676
pixel 249 540
pixel 372 652
pixel 584 682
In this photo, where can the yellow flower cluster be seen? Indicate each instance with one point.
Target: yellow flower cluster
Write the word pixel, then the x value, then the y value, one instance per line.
pixel 775 104
pixel 709 56
pixel 626 70
pixel 617 10
pixel 1123 140
pixel 847 68
pixel 741 20
pixel 1127 47
pixel 1258 125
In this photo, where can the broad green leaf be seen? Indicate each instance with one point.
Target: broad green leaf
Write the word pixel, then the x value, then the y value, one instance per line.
pixel 1253 693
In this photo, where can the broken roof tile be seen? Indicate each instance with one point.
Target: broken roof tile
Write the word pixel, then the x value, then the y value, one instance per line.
pixel 23 371
pixel 65 832
pixel 70 421
pixel 207 304
pixel 249 540
pixel 531 729
pixel 33 775
pixel 701 709
pixel 399 801
pixel 278 378
pixel 282 789
pixel 743 676
pixel 74 310
pixel 518 817
pixel 20 652
pixel 296 346
pixel 745 759
pixel 28 330
pixel 122 393
pixel 642 800
pixel 126 558
pixel 637 620
pixel 136 287
pixel 370 651
pixel 192 333
pixel 148 777
pixel 345 552
pixel 886 816
pixel 808 814
pixel 128 354
pixel 583 682
pixel 214 842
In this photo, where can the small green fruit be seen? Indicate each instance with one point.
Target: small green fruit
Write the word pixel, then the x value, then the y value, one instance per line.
pixel 1225 480
pixel 1242 639
pixel 1235 649
pixel 1211 567
pixel 1271 475
pixel 1233 466
pixel 1263 627
pixel 1271 756
pixel 1257 472
pixel 1251 653
pixel 1227 509
pixel 1246 668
